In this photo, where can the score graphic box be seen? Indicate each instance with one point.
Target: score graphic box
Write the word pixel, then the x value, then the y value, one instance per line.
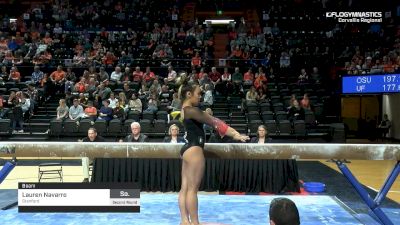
pixel 78 197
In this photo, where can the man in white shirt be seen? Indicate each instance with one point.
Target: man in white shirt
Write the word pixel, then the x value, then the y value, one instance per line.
pixel 116 75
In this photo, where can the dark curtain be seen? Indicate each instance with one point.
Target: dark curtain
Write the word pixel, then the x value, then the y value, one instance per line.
pixel 239 175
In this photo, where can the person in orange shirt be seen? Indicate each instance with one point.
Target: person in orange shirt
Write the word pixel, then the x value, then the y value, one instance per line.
pixel 137 75
pixel 260 80
pixel 57 79
pixel 248 77
pixel 237 53
pixel 14 75
pixel 109 59
pixel 149 77
pixel 91 111
pixel 47 39
pixel 81 85
pixel 196 60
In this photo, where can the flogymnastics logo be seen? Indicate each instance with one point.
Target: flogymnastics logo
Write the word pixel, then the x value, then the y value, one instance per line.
pixel 356 17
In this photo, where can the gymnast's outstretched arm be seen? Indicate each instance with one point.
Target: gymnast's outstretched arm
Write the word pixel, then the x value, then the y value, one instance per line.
pixel 219 125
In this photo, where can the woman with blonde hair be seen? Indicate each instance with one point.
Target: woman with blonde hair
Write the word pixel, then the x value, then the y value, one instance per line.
pixel 173 133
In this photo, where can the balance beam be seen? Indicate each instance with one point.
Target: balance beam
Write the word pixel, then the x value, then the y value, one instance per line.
pixel 222 151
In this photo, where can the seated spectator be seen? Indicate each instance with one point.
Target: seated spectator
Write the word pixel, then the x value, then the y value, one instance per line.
pixel 123 101
pixel 260 79
pixel 296 112
pixel 3 75
pixel 14 75
pixel 135 104
pixel 76 111
pixel 315 77
pixel 237 80
pixel 305 102
pixel 261 95
pixel 248 78
pixel 103 92
pixel 207 128
pixel 226 85
pixel 70 80
pixel 215 78
pixel 196 61
pixel 92 136
pixel 80 87
pixel 152 105
pixel 116 75
pixel 171 78
pixel 109 59
pixel 103 75
pixel 137 75
pixel 262 136
pixel 283 211
pixel 119 111
pixel 105 112
pixel 136 136
pixel 303 77
pixel 113 102
pixel 208 96
pixel 127 90
pixel 37 76
pixel 251 95
pixel 176 103
pixel 149 77
pixel 173 133
pixel 90 111
pixel 62 110
pixel 83 100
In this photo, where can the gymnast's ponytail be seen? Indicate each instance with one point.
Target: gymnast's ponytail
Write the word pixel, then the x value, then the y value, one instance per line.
pixel 184 86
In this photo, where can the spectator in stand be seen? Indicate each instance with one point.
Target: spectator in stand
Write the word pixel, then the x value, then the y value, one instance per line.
pixel 284 61
pixel 76 111
pixel 248 78
pixel 3 75
pixel 152 105
pixel 37 76
pixel 25 103
pixel 260 79
pixel 176 103
pixel 70 80
pixel 196 61
pixel 171 78
pixel 105 112
pixel 135 104
pixel 80 87
pixel 92 136
pixel 251 95
pixel 14 102
pixel 283 211
pixel 174 137
pixel 62 110
pixel 226 85
pixel 237 79
pixel 149 77
pixel 262 136
pixel 14 75
pixel 208 96
pixel 305 102
pixel 137 75
pixel 116 76
pixel 215 78
pixel 83 100
pixel 136 136
pixel 127 90
pixel 261 95
pixel 113 102
pixel 303 77
pixel 58 80
pixel 103 75
pixel 109 59
pixel 296 112
pixel 90 111
pixel 315 77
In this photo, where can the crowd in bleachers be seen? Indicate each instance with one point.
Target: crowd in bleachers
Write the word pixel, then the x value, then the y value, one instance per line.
pixel 122 64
